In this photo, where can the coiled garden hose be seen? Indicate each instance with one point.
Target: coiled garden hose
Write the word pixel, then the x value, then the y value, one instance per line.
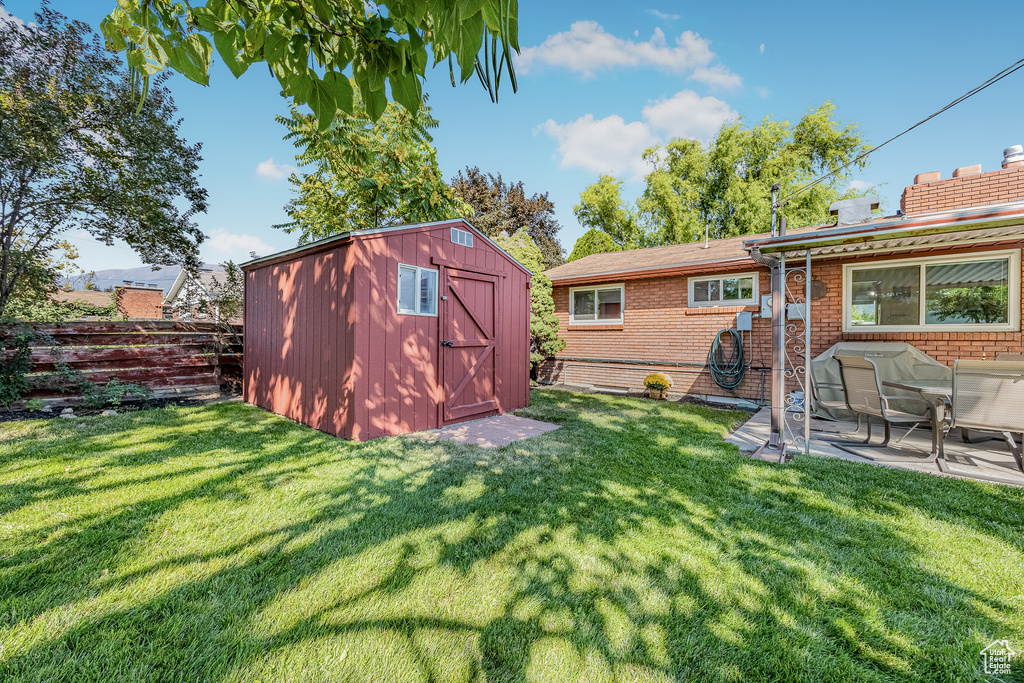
pixel 727 371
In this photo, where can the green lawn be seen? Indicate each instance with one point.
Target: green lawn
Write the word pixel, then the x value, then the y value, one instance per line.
pixel 226 544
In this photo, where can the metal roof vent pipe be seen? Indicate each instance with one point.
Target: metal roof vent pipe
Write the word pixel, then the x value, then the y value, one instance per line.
pixel 853 211
pixel 1013 157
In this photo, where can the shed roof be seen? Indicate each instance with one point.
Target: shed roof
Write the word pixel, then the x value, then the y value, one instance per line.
pixel 329 242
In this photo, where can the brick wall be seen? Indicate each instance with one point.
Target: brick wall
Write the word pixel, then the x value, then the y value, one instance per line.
pixel 980 189
pixel 661 334
pixel 139 302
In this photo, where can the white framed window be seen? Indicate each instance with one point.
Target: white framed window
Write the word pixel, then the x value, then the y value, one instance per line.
pixel 601 305
pixel 738 289
pixel 966 293
pixel 417 290
pixel 463 237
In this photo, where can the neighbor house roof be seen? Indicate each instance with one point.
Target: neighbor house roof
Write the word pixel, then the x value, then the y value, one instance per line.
pixel 87 296
pixel 656 261
pixel 206 282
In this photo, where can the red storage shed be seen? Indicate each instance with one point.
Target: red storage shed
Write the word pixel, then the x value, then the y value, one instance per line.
pixel 379 332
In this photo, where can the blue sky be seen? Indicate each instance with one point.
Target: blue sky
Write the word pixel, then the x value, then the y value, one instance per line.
pixel 600 81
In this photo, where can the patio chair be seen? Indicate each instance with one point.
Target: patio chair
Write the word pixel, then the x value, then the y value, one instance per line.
pixel 831 404
pixel 864 395
pixel 989 395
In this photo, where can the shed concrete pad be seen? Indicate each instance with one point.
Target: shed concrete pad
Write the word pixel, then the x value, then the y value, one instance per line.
pixel 493 432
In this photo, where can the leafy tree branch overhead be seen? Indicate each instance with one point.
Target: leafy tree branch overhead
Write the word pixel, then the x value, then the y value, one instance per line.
pixel 360 173
pixel 313 46
pixel 77 154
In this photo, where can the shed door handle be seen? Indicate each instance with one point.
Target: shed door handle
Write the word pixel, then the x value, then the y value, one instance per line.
pixel 446 343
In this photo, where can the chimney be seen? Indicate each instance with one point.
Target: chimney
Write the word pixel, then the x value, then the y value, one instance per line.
pixel 853 211
pixel 969 187
pixel 1013 157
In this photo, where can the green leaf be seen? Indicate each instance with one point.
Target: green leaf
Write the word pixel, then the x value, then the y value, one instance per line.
pixel 374 101
pixel 342 88
pixel 113 34
pixel 407 90
pixel 229 53
pixel 471 34
pixel 322 101
pixel 275 48
pixel 323 10
pixel 299 85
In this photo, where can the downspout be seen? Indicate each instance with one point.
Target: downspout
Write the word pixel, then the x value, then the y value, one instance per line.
pixel 775 443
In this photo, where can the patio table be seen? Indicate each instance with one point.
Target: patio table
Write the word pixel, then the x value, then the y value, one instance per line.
pixel 936 391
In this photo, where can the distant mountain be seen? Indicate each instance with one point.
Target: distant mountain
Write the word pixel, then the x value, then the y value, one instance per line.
pixel 144 275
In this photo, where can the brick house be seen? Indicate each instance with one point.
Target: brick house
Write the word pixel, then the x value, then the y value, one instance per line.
pixel 955 242
pixel 138 300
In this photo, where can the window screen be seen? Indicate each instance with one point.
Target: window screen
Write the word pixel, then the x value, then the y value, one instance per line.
pixel 417 290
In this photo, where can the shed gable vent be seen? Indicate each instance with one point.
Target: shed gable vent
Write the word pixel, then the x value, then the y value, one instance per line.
pixel 463 237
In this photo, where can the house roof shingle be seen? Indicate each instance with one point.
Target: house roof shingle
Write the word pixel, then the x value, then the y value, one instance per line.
pixel 88 296
pixel 688 256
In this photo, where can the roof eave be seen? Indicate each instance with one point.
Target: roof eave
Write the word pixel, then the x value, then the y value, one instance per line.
pixel 927 224
pixel 654 271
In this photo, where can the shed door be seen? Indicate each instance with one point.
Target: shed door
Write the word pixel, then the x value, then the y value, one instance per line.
pixel 467 344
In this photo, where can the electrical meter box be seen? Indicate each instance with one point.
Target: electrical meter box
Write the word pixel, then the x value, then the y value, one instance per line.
pixel 743 321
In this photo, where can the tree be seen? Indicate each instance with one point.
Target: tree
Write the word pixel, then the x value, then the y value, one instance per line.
pixel 383 44
pixel 601 208
pixel 365 174
pixel 726 185
pixel 544 339
pixel 503 208
pixel 75 155
pixel 593 241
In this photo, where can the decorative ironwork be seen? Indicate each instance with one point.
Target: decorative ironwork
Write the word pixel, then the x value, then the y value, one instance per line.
pixel 796 282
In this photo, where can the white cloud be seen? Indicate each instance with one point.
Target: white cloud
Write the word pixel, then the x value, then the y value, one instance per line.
pixel 762 48
pixel 272 169
pixel 613 145
pixel 608 145
pixel 687 114
pixel 664 16
pixel 860 185
pixel 718 77
pixel 587 48
pixel 236 246
pixel 762 92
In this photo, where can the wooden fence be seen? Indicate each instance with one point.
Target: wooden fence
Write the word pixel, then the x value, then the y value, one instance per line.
pixel 170 358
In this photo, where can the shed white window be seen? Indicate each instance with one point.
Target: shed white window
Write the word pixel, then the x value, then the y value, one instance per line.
pixel 723 290
pixel 417 290
pixel 596 305
pixel 976 292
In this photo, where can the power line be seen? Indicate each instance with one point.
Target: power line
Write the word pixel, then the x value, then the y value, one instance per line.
pixel 974 91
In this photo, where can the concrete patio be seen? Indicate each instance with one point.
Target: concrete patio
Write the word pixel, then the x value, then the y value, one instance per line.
pixel 988 460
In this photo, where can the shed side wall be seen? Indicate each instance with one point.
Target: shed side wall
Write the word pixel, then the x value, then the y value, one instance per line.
pixel 294 355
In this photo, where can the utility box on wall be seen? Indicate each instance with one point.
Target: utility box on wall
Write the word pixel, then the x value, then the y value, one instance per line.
pixel 744 321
